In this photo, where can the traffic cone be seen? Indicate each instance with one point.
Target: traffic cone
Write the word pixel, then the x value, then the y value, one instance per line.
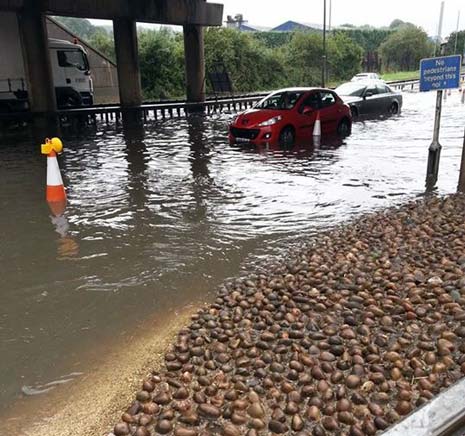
pixel 317 125
pixel 55 193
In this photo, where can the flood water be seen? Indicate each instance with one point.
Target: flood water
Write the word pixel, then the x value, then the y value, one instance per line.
pixel 159 218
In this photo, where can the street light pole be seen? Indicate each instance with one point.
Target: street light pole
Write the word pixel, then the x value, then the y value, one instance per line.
pixel 457 33
pixel 323 72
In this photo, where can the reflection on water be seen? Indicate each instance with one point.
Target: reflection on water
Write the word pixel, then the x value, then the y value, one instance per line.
pixel 158 217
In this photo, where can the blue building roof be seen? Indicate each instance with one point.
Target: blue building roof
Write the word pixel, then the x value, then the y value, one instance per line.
pixel 290 26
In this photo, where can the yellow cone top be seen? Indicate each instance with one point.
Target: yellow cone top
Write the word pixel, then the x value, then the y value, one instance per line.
pixel 53 144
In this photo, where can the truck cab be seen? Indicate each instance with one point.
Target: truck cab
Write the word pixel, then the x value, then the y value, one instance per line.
pixel 71 74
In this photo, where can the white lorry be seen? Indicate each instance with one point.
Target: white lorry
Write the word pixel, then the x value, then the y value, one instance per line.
pixel 70 69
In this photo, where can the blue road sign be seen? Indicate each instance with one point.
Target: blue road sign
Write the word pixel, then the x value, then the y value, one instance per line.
pixel 440 73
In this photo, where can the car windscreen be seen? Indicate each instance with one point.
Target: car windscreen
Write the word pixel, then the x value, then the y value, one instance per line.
pixel 352 89
pixel 72 58
pixel 281 100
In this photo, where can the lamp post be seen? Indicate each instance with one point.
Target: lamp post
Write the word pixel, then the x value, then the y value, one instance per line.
pixel 323 72
pixel 457 33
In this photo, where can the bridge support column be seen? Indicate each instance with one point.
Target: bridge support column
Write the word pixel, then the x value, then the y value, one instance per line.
pixel 127 59
pixel 194 54
pixel 36 54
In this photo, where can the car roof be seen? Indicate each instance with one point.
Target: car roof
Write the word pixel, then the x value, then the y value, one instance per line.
pixel 300 89
pixel 366 82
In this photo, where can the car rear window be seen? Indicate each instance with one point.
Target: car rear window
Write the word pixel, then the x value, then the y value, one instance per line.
pixel 353 89
pixel 327 99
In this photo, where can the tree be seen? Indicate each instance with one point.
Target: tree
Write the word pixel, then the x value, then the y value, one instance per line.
pixel 345 56
pixel 304 57
pixel 161 57
pixel 396 24
pixel 404 49
pixel 251 65
pixel 104 43
pixel 451 47
pixel 80 26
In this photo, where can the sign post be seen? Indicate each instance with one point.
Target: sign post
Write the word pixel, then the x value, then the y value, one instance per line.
pixel 461 186
pixel 437 74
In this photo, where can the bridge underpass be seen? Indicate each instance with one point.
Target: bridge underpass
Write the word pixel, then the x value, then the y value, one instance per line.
pixel 193 15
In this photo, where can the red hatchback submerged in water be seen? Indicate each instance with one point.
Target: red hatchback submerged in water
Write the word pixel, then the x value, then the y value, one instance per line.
pixel 288 116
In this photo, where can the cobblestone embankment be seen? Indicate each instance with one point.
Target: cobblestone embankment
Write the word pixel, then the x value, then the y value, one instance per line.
pixel 346 337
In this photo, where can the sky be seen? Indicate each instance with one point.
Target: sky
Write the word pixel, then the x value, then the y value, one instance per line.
pixel 424 13
pixel 270 13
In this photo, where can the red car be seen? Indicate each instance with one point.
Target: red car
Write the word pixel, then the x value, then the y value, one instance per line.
pixel 287 116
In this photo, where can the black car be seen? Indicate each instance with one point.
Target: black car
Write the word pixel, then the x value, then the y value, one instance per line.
pixel 370 98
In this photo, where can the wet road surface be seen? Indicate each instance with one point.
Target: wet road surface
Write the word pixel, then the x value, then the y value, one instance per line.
pixel 157 219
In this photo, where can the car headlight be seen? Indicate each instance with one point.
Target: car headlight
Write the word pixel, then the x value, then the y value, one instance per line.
pixel 271 121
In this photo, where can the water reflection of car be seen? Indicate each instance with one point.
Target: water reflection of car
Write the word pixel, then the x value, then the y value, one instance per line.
pixel 365 76
pixel 370 98
pixel 289 115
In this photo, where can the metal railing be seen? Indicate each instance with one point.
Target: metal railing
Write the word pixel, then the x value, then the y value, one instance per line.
pixel 10 85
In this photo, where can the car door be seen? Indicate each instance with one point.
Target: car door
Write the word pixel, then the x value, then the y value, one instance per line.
pixel 329 114
pixel 369 103
pixel 306 115
pixel 383 98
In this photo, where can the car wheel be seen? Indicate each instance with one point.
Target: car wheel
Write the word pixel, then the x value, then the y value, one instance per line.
pixel 287 137
pixel 354 111
pixel 344 128
pixel 394 109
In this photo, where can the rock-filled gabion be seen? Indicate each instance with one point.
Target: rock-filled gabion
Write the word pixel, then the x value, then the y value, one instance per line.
pixel 347 337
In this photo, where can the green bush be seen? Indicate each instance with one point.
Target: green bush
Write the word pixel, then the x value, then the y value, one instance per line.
pixel 403 50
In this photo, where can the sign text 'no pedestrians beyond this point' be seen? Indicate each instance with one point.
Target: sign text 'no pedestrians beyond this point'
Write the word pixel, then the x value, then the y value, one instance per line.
pixel 440 73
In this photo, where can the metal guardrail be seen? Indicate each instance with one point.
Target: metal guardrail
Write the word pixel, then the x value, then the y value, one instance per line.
pixel 443 415
pixel 155 111
pixel 170 109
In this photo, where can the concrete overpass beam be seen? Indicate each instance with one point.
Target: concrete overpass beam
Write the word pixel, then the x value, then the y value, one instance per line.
pixel 194 53
pixel 127 59
pixel 34 40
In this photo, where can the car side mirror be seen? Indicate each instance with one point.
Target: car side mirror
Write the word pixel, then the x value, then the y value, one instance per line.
pixel 307 110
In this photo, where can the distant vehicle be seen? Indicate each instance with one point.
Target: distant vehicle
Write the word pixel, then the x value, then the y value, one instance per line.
pixel 70 69
pixel 365 76
pixel 370 98
pixel 289 115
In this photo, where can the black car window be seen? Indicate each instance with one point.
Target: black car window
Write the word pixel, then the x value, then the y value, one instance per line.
pixel 371 90
pixel 281 100
pixel 382 89
pixel 327 99
pixel 312 100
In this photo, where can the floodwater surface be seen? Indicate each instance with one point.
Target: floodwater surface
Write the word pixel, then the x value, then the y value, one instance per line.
pixel 158 218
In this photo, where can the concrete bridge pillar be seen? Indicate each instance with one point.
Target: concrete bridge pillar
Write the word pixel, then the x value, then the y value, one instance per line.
pixel 194 54
pixel 127 59
pixel 36 54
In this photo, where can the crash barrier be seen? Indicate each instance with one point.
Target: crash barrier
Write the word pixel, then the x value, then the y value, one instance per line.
pixel 161 111
pixel 164 110
pixel 443 415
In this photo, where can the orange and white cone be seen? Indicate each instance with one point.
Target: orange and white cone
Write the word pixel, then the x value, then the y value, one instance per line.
pixel 317 125
pixel 55 193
